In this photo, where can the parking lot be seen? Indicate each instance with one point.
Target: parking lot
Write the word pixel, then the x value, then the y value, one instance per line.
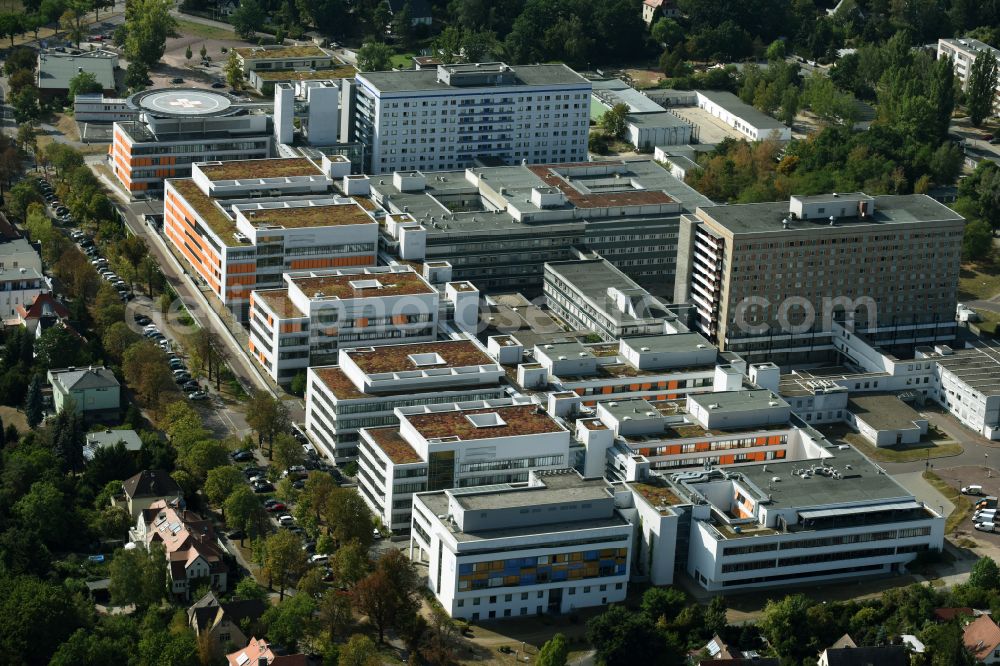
pixel 989 479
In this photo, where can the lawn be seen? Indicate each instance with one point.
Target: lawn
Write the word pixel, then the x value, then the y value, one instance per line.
pixel 979 282
pixel 201 30
pixel 927 448
pixel 963 506
pixel 402 60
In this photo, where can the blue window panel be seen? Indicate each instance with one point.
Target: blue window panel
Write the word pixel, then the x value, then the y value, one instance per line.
pixel 464 568
pixel 560 575
pixel 591 555
pixel 528 580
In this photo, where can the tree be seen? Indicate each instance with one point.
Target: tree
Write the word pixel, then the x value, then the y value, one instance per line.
pixel 220 483
pixel 944 645
pixel 11 25
pixel 785 625
pixel 554 652
pixel 25 104
pixel 27 138
pixel 117 339
pixel 290 620
pixel 70 21
pixel 667 32
pixel 83 83
pixel 348 517
pixel 139 576
pixel 284 559
pixel 203 52
pixel 981 89
pixel 58 347
pixel 234 72
pixel 298 386
pixel 776 50
pixel 149 25
pixel 977 244
pixel 22 194
pixel 985 574
pixel 43 508
pixel 268 416
pixel 359 651
pixel 248 589
pixel 622 638
pixel 388 595
pixel 68 435
pixel 146 372
pixel 202 457
pixel 350 563
pixel 943 96
pixel 188 53
pixel 136 75
pixel 334 613
pixel 374 57
pixel 37 617
pixel 662 602
pixel 247 18
pixel 287 451
pixel 613 122
pixel 33 403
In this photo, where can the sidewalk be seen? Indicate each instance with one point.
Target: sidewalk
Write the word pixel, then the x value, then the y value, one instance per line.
pixel 925 492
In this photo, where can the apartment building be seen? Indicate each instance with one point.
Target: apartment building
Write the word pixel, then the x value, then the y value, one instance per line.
pixel 963 53
pixel 456 445
pixel 592 295
pixel 317 313
pixel 767 280
pixel 369 383
pixel 552 545
pixel 498 226
pixel 447 118
pixel 179 127
pixel 242 224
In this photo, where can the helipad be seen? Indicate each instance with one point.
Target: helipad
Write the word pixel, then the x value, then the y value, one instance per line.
pixel 182 102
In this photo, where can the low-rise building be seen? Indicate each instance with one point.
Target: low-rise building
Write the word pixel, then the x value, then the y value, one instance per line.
pixel 194 556
pixel 320 312
pixel 593 295
pixel 647 124
pixel 656 367
pixel 369 383
pixel 93 391
pixel 745 119
pixel 968 383
pixel 275 58
pixel 982 638
pixel 243 224
pixel 221 624
pixel 56 70
pixel 42 313
pixel 19 286
pixel 103 439
pixel 148 486
pixel 885 420
pixel 459 445
pixel 655 9
pixel 552 545
pixel 96 108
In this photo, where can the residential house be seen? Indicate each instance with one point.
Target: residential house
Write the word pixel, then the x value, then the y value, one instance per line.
pixel 192 549
pixel 721 654
pixel 224 622
pixel 148 486
pixel 103 439
pixel 846 653
pixel 656 9
pixel 41 313
pixel 93 391
pixel 259 653
pixel 419 10
pixel 982 639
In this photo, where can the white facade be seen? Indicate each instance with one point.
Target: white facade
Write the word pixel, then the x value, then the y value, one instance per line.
pixel 369 383
pixel 19 286
pixel 963 53
pixel 444 119
pixel 320 312
pixel 462 445
pixel 753 124
pixel 502 552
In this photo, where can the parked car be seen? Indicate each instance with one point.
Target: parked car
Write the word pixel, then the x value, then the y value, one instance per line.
pixel 243 456
pixel 299 484
pixel 270 501
pixel 319 559
pixel 142 320
pixel 286 520
pixel 277 506
pixel 182 379
pixel 176 364
pixel 218 84
pixel 263 487
pixel 252 471
pixel 986 527
pixel 177 79
pixel 198 395
pixel 376 534
pixel 972 490
pixel 191 386
pixel 236 535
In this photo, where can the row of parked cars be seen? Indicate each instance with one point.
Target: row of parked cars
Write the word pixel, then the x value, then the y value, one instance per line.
pixel 60 211
pixel 180 371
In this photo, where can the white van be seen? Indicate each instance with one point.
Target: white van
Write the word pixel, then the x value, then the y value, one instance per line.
pixel 986 527
pixel 972 490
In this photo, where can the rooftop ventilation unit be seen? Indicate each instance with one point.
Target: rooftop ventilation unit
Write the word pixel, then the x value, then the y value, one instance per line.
pixel 424 360
pixel 486 420
pixel 365 284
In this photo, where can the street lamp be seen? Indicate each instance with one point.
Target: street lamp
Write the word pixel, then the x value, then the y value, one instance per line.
pixel 986 463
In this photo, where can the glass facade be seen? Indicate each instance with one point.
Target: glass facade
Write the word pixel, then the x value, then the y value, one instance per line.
pixel 521 571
